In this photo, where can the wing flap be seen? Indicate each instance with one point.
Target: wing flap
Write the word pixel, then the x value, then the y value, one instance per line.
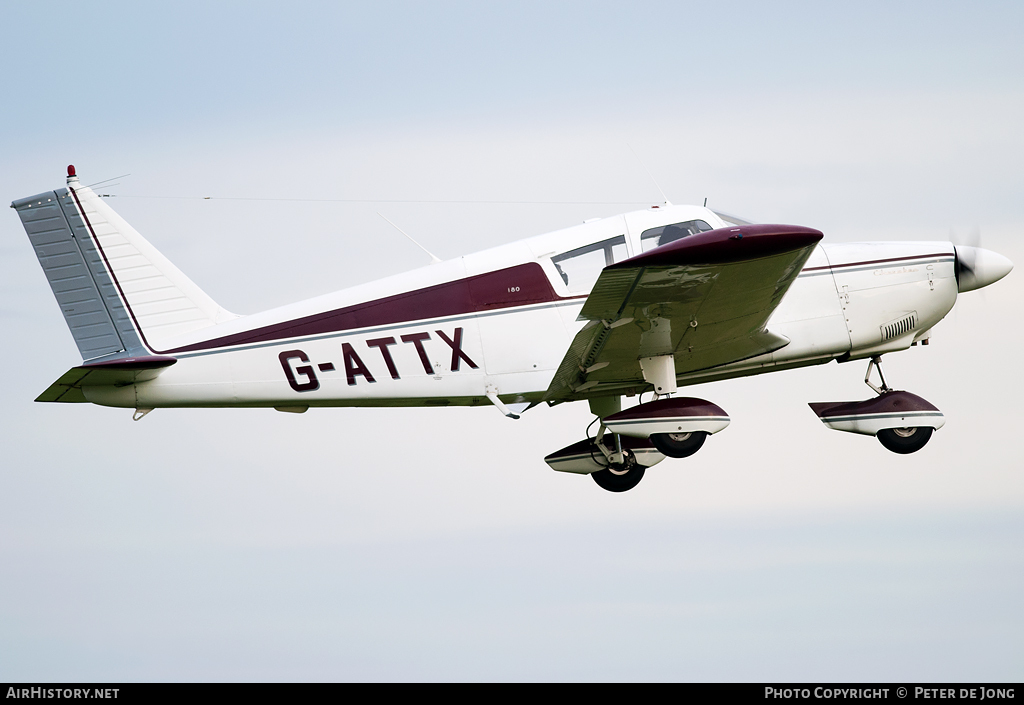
pixel 704 299
pixel 609 294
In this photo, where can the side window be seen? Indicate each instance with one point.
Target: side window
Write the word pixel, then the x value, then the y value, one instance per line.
pixel 581 267
pixel 656 237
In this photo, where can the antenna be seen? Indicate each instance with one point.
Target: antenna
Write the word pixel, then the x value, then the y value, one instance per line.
pixel 97 183
pixel 667 202
pixel 433 259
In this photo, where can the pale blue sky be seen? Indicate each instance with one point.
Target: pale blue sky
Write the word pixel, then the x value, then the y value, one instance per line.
pixel 435 544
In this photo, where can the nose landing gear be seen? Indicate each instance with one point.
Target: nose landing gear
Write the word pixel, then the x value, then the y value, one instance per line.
pixel 905 440
pixel 902 422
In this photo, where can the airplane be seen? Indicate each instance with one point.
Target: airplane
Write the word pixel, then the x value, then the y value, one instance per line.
pixel 634 305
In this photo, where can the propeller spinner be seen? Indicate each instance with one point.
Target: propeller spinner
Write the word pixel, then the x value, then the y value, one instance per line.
pixel 977 267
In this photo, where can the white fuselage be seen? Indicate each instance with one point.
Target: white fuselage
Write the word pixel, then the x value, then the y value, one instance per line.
pixel 500 321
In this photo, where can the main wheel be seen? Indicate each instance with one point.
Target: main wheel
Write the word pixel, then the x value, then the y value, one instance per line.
pixel 619 478
pixel 905 440
pixel 679 445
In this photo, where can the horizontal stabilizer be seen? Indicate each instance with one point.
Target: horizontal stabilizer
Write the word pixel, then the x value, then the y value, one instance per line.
pixel 116 373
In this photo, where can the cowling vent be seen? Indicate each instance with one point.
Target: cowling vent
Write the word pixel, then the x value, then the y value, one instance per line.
pixel 901 326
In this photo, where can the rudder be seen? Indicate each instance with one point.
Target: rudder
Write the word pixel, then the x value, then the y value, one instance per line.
pixel 118 294
pixel 83 288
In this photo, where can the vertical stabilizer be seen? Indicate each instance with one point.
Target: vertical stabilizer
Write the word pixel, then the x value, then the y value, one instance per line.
pixel 119 295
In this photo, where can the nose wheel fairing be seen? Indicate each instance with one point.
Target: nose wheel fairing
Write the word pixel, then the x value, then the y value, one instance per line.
pixel 902 422
pixel 889 410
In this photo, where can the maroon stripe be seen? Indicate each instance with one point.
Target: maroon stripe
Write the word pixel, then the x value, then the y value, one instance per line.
pixel 889 402
pixel 878 261
pixel 521 285
pixel 588 446
pixel 153 362
pixel 675 406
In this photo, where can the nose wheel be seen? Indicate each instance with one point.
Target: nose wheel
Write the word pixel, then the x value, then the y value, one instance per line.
pixel 908 439
pixel 905 440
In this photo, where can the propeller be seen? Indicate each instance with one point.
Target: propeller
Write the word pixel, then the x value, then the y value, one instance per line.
pixel 965 253
pixel 964 262
pixel 975 266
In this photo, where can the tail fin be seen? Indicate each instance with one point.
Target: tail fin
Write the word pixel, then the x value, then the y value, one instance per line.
pixel 119 295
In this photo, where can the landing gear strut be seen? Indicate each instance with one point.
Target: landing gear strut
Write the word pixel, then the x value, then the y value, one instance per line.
pixel 876 363
pixel 621 472
pixel 908 439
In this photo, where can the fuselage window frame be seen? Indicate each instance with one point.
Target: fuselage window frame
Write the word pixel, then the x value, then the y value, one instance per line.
pixel 607 246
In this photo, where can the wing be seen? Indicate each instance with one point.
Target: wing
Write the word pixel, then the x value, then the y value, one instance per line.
pixel 705 298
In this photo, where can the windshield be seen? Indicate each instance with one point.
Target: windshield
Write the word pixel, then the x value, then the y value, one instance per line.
pixel 656 237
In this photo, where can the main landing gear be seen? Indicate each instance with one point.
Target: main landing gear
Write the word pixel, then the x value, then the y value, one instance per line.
pixel 616 462
pixel 902 422
pixel 628 442
pixel 621 469
pixel 679 445
pixel 622 476
pixel 625 475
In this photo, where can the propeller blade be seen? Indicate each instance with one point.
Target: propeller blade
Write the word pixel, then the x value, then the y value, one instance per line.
pixel 967 249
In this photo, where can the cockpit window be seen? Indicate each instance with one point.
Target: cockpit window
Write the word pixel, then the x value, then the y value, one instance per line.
pixel 581 267
pixel 656 237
